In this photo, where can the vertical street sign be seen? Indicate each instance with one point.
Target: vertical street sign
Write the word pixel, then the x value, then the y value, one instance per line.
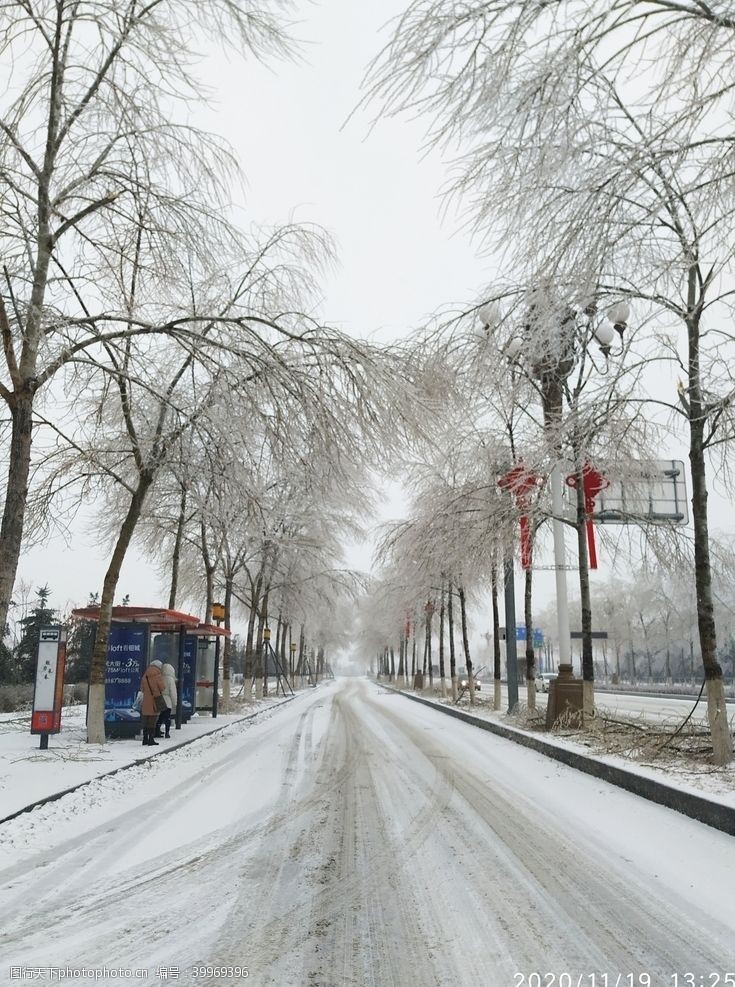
pixel 48 692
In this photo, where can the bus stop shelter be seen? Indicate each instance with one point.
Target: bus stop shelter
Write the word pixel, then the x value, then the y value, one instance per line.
pixel 138 635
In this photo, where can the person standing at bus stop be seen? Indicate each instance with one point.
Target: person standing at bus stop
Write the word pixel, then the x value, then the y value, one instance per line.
pixel 154 702
pixel 170 695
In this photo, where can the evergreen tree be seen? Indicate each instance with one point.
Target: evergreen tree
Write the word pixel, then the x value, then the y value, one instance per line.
pixel 7 666
pixel 80 645
pixel 26 652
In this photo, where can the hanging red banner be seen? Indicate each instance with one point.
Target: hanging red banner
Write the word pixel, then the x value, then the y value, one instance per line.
pixel 593 483
pixel 519 482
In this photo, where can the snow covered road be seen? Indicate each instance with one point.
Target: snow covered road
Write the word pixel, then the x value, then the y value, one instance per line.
pixel 354 838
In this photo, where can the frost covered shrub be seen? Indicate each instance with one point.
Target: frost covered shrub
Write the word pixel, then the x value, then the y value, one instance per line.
pixel 75 693
pixel 15 697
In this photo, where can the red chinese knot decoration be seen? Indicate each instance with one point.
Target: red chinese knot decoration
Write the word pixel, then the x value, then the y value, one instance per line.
pixel 593 483
pixel 519 482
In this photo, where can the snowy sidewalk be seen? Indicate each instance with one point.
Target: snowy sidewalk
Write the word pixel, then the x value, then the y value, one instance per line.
pixel 29 775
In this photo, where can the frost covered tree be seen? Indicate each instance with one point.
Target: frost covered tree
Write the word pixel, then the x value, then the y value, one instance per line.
pixel 609 170
pixel 89 128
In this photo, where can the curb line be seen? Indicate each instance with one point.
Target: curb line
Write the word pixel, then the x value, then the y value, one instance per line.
pixel 140 760
pixel 697 807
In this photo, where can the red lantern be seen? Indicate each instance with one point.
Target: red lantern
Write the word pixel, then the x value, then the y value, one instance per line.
pixel 519 482
pixel 593 483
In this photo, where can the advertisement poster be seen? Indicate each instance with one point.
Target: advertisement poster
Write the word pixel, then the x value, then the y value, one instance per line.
pixel 190 666
pixel 126 662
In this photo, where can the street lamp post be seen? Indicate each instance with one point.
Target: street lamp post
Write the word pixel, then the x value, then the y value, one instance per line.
pixel 558 334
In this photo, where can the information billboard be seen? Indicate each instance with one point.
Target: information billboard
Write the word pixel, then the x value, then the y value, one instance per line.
pixel 126 662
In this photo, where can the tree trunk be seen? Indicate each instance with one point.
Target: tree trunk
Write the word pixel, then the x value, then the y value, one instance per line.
pixel 277 646
pixel 452 662
pixel 588 664
pixel 258 662
pixel 392 673
pixel 302 652
pixel 716 709
pixel 249 672
pixel 429 621
pixel 176 555
pixel 442 675
pixel 530 654
pixel 466 645
pixel 262 650
pixel 496 637
pixel 16 497
pixel 284 660
pixel 209 569
pixel 227 649
pixel 98 666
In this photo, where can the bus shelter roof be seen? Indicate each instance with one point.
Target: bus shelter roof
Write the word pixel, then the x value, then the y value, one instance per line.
pixel 209 630
pixel 141 615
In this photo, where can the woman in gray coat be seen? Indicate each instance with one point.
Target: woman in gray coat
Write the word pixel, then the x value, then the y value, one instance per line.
pixel 170 695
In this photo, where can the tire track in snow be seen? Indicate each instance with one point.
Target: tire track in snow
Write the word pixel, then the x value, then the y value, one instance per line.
pixel 561 894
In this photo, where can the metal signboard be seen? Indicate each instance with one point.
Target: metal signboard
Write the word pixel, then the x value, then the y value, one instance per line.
pixel 48 693
pixel 538 635
pixel 651 493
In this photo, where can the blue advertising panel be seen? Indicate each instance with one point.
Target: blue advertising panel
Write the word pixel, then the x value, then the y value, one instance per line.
pixel 126 661
pixel 190 669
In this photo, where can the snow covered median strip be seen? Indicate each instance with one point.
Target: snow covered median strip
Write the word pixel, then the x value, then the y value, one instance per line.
pixel 719 815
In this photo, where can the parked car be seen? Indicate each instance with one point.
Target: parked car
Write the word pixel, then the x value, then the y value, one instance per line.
pixel 543 680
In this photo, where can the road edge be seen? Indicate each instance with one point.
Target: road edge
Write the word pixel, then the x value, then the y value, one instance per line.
pixel 704 810
pixel 55 796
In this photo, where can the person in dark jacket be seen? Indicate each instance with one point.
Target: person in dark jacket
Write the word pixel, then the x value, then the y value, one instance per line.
pixel 151 685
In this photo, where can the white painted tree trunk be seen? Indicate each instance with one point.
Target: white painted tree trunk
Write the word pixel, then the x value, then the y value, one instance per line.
pixel 454 688
pixel 717 716
pixel 96 714
pixel 226 696
pixel 588 700
pixel 444 687
pixel 530 694
pixel 471 681
pixel 496 694
pixel 258 687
